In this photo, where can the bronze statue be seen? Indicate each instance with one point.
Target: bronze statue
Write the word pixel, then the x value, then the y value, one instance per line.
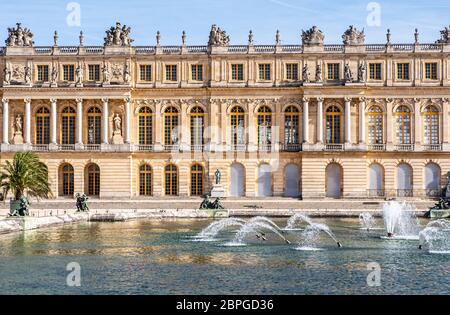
pixel 82 202
pixel 208 205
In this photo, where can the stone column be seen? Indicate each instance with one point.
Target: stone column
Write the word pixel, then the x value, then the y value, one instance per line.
pixel 128 120
pixel 79 128
pixel 158 127
pixel 320 120
pixel 305 120
pixel 5 121
pixel 53 120
pixel 362 120
pixel 348 119
pixel 27 121
pixel 105 121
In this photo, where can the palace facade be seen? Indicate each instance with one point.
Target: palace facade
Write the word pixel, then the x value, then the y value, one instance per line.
pixel 310 120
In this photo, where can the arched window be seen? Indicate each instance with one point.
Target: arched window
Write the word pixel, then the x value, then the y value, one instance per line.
pixel 43 126
pixel 145 180
pixel 237 126
pixel 171 126
pixel 93 180
pixel 265 180
pixel 94 116
pixel 376 180
pixel 430 125
pixel 403 122
pixel 433 180
pixel 196 180
pixel 404 180
pixel 291 119
pixel 333 119
pixel 197 126
pixel 68 121
pixel 264 126
pixel 171 178
pixel 291 181
pixel 145 126
pixel 334 181
pixel 237 180
pixel 67 180
pixel 375 125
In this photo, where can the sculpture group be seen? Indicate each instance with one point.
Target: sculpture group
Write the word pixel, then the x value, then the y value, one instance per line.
pixel 19 37
pixel 118 36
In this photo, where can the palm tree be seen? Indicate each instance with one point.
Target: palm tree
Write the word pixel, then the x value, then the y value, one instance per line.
pixel 25 176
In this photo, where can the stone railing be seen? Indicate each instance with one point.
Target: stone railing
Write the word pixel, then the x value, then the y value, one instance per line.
pixel 432 147
pixel 334 147
pixel 376 147
pixel 404 147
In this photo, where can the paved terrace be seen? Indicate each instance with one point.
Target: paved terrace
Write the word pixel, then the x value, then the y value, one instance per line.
pixel 242 206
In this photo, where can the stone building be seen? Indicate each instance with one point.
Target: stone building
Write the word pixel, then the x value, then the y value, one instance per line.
pixel 309 120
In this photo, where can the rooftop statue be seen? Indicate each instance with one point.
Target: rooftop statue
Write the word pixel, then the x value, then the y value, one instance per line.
pixel 118 36
pixel 313 36
pixel 19 37
pixel 445 36
pixel 353 37
pixel 217 37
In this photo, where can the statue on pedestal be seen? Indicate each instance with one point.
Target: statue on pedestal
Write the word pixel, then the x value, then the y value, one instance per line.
pixel 305 73
pixel 18 135
pixel 6 76
pixel 218 176
pixel 82 202
pixel 117 132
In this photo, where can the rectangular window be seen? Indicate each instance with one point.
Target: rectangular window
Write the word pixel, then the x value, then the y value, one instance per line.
pixel 171 73
pixel 264 71
pixel 333 71
pixel 292 71
pixel 431 71
pixel 94 73
pixel 403 71
pixel 375 71
pixel 42 73
pixel 197 72
pixel 146 73
pixel 69 73
pixel 237 72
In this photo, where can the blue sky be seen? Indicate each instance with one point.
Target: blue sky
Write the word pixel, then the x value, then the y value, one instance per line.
pixel 237 17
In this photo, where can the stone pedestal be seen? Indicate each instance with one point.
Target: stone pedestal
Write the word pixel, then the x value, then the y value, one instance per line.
pixel 218 191
pixel 117 138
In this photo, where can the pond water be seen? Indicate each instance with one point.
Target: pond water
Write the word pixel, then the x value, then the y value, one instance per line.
pixel 164 257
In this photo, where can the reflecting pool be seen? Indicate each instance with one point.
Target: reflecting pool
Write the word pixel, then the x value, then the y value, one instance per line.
pixel 167 257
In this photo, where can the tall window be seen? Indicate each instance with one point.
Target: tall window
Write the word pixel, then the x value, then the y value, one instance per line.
pixel 93 173
pixel 237 72
pixel 375 71
pixel 333 71
pixel 403 122
pixel 403 71
pixel 145 126
pixel 431 71
pixel 197 125
pixel 42 73
pixel 375 125
pixel 197 72
pixel 292 71
pixel 237 126
pixel 69 73
pixel 94 125
pixel 171 73
pixel 68 118
pixel 264 71
pixel 264 126
pixel 196 180
pixel 171 180
pixel 291 119
pixel 145 180
pixel 94 73
pixel 431 125
pixel 171 126
pixel 333 124
pixel 43 126
pixel 67 180
pixel 145 72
